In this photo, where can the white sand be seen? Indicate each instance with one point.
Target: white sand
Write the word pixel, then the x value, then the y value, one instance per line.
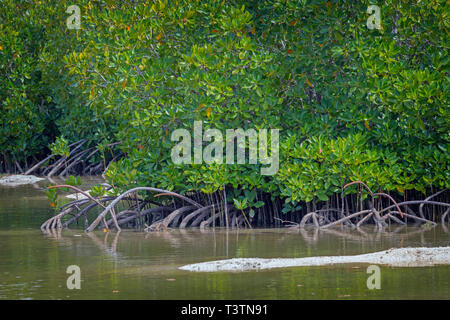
pixel 19 179
pixel 78 196
pixel 401 257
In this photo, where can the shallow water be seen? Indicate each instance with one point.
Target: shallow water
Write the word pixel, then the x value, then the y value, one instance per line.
pixel 135 265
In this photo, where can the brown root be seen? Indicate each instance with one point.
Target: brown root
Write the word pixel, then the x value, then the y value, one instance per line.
pixel 169 209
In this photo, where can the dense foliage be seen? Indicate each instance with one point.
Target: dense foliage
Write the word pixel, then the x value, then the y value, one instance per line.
pixel 38 102
pixel 27 112
pixel 351 103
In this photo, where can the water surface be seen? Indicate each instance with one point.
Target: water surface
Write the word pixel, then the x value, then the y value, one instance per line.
pixel 136 265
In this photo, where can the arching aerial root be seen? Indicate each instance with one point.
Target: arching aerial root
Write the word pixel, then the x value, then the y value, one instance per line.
pixel 152 209
pixel 169 210
pixel 77 161
pixel 372 214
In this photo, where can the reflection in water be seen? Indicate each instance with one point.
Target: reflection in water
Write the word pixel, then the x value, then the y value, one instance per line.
pixel 103 245
pixel 178 238
pixel 137 265
pixel 372 236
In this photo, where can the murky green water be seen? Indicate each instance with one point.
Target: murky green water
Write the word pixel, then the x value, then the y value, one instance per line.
pixel 135 265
